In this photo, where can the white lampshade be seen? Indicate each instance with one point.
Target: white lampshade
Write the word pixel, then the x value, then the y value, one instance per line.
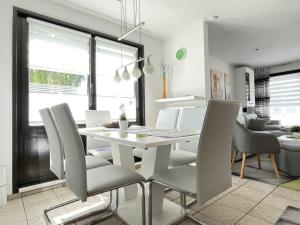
pixel 117 77
pixel 148 68
pixel 136 72
pixel 125 74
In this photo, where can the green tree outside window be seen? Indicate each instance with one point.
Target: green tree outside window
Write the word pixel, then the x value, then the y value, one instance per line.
pixel 55 78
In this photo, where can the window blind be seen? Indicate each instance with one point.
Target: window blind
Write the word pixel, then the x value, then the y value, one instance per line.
pixel 58 49
pixel 285 90
pixel 108 56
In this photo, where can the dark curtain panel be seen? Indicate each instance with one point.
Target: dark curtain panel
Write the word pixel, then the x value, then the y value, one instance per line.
pixel 262 97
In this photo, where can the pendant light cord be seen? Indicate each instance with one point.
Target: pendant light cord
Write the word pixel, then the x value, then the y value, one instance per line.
pixel 122 21
pixel 139 1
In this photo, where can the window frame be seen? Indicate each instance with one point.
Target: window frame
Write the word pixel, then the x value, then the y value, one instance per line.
pixel 20 108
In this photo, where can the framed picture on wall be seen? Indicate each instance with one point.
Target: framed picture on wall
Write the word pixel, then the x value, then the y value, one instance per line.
pixel 227 83
pixel 217 85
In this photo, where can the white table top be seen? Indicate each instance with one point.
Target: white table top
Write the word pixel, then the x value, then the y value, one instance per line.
pixel 134 140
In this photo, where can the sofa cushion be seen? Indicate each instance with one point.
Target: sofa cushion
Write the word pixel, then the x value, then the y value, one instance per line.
pixel 241 119
pixel 249 117
pixel 257 124
pixel 272 127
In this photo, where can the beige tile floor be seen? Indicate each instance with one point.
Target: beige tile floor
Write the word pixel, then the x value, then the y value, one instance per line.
pixel 247 202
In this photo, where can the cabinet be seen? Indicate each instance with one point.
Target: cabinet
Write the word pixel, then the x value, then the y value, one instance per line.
pixel 245 86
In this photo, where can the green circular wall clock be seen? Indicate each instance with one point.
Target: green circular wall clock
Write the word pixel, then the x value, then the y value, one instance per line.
pixel 180 54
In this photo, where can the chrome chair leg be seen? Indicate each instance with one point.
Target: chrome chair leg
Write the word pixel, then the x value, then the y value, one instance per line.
pixel 150 203
pixel 142 199
pixel 143 204
pixel 183 204
pixel 187 213
pixel 47 210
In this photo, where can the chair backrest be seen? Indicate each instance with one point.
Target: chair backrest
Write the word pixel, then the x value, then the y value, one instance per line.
pixel 191 119
pixel 96 118
pixel 167 119
pixel 75 169
pixel 241 139
pixel 214 150
pixel 55 144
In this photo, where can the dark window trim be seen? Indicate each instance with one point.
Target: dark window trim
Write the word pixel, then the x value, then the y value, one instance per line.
pixel 285 73
pixel 18 68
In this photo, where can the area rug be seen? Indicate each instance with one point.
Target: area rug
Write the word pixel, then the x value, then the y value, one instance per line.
pixel 290 216
pixel 294 185
pixel 265 174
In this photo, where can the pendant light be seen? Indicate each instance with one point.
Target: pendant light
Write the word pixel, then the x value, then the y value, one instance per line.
pixel 136 72
pixel 117 77
pixel 125 74
pixel 148 68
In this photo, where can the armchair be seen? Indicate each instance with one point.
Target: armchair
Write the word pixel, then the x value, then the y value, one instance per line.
pixel 253 142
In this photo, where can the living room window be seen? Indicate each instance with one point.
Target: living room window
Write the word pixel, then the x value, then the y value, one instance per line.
pixel 285 99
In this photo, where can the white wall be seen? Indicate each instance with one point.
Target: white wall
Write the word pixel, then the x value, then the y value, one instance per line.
pixel 187 77
pixel 152 46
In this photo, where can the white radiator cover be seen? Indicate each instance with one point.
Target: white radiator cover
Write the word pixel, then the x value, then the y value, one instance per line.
pixel 3 186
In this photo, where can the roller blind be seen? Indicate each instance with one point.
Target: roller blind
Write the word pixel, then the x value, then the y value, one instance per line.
pixel 58 49
pixel 108 56
pixel 285 90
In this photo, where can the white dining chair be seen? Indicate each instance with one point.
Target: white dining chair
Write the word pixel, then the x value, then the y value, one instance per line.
pixel 212 173
pixel 85 183
pixel 167 119
pixel 186 152
pixel 57 156
pixel 97 118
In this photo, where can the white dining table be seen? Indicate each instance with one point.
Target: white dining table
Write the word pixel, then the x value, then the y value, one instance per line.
pixel 155 159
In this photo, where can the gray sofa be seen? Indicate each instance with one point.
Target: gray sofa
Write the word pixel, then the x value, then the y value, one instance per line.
pixel 288 160
pixel 272 126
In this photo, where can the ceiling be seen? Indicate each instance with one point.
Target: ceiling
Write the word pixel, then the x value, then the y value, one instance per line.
pixel 272 26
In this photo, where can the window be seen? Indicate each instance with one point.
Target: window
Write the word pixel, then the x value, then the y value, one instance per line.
pixel 55 62
pixel 285 98
pixel 58 69
pixel 111 95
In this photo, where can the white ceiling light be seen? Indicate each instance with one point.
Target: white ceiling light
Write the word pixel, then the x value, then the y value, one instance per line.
pixel 148 68
pixel 125 74
pixel 136 72
pixel 212 18
pixel 117 77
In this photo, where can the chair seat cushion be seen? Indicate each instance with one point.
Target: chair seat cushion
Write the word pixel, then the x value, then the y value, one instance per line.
pixel 110 177
pixel 103 152
pixel 183 178
pixel 138 152
pixel 181 158
pixel 95 161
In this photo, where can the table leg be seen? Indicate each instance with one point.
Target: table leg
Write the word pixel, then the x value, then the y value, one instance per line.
pixel 156 160
pixel 123 156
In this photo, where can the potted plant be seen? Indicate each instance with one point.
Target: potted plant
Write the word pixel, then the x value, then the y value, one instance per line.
pixel 296 131
pixel 123 123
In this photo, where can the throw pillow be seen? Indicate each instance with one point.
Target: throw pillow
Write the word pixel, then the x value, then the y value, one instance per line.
pixel 257 124
pixel 248 117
